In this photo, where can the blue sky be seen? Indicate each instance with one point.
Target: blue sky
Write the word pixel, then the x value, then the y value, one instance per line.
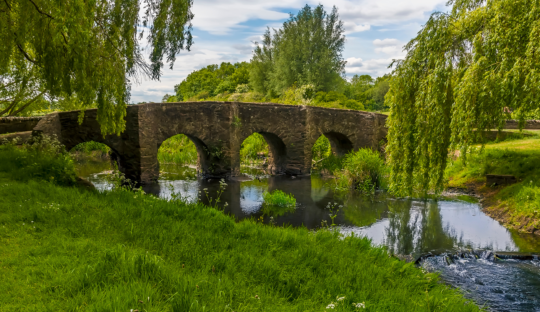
pixel 224 31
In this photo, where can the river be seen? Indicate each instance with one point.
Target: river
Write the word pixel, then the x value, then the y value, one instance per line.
pixel 496 267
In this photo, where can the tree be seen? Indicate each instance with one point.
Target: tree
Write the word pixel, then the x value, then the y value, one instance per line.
pixel 307 50
pixel 460 72
pixel 89 50
pixel 212 80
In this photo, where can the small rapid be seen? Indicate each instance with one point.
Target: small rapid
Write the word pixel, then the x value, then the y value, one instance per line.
pixel 498 281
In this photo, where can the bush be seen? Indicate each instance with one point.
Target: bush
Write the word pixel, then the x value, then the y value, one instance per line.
pixel 46 159
pixel 364 170
pixel 279 198
pixel 178 150
pixel 242 88
pixel 91 146
pixel 253 145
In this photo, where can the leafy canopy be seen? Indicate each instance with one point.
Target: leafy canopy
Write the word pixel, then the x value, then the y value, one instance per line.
pixel 87 49
pixel 307 50
pixel 212 80
pixel 460 73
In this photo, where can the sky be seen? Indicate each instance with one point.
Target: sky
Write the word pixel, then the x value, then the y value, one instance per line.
pixel 225 31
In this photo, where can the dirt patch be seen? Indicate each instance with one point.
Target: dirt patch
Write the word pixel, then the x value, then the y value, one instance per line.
pixel 496 209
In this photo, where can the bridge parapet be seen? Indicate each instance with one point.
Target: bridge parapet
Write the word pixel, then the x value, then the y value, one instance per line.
pixel 218 130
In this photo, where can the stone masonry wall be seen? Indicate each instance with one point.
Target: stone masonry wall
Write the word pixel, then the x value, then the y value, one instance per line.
pixel 18 124
pixel 218 130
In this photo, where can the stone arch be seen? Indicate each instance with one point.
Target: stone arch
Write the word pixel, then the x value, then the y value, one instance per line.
pixel 203 153
pixel 277 151
pixel 114 155
pixel 339 142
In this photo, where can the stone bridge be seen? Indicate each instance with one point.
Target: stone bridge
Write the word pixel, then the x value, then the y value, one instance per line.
pixel 218 130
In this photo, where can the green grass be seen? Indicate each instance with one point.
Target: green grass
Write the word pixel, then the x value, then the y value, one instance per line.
pixel 66 249
pixel 520 158
pixel 91 146
pixel 277 203
pixel 179 150
pixel 252 146
pixel 279 198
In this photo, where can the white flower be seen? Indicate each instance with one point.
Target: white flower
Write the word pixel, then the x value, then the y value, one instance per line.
pixel 359 305
pixel 331 306
pixel 340 298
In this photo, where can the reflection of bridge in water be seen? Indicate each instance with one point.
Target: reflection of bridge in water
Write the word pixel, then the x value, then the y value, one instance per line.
pixel 218 129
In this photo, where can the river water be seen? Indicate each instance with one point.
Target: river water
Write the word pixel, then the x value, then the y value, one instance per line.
pixel 496 267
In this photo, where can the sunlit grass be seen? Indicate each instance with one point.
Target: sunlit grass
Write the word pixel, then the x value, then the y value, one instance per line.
pixel 520 158
pixel 179 150
pixel 66 249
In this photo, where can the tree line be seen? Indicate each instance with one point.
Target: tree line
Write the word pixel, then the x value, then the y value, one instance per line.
pixel 300 63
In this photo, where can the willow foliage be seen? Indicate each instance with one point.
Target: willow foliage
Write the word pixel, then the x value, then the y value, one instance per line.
pixel 88 49
pixel 460 74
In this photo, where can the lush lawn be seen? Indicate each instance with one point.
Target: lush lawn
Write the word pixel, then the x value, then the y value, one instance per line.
pixel 517 205
pixel 65 249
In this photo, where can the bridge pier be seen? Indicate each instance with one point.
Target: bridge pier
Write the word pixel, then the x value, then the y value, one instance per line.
pixel 218 130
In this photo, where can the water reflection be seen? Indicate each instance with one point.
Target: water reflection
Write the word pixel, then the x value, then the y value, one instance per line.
pixel 407 227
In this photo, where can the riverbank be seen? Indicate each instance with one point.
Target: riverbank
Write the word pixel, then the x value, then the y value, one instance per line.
pixel 66 248
pixel 517 205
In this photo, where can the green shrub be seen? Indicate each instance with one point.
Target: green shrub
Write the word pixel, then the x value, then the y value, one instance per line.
pixel 278 203
pixel 253 145
pixel 46 159
pixel 320 150
pixel 179 150
pixel 279 198
pixel 91 146
pixel 364 170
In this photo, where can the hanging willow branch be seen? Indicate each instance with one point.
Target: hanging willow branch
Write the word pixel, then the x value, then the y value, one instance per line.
pixel 88 52
pixel 460 73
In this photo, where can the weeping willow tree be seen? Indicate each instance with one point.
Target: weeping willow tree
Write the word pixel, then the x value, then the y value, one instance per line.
pixel 86 49
pixel 461 73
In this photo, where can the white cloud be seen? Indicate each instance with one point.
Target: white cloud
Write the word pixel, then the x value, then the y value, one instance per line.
pixel 351 27
pixel 391 47
pixel 374 67
pixel 239 23
pixel 222 17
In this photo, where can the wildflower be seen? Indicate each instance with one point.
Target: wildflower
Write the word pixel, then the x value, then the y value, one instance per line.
pixel 340 298
pixel 226 204
pixel 331 306
pixel 359 305
pixel 32 221
pixel 205 189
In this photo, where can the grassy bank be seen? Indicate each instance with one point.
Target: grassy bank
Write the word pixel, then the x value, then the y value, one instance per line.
pixel 65 249
pixel 517 205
